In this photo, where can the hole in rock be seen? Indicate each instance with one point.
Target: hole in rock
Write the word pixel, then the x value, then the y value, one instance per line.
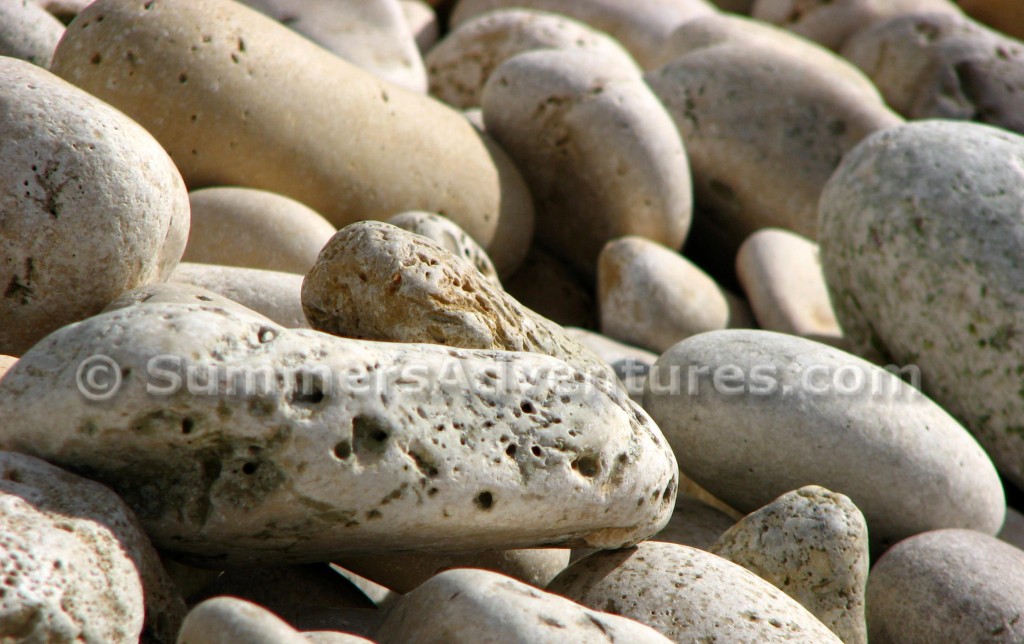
pixel 343 450
pixel 484 500
pixel 249 468
pixel 308 387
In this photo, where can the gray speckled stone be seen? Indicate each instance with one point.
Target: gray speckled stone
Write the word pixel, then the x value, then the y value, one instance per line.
pixel 947 586
pixel 273 294
pixel 28 32
pixel 447 234
pixel 922 244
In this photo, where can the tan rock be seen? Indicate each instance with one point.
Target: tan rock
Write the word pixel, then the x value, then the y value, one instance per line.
pixel 543 283
pixel 273 294
pixel 448 235
pixel 229 620
pixel 28 32
pixel 6 362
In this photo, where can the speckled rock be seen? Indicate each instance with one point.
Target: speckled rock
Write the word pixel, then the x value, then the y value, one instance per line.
pixel 695 524
pixel 229 620
pixel 781 275
pixel 175 293
pixel 83 190
pixel 1012 531
pixel 653 297
pixel 688 595
pixel 546 285
pixel 640 26
pixel 765 125
pixel 254 229
pixel 468 605
pixel 28 32
pixel 460 65
pixel 936 65
pixel 923 251
pixel 448 235
pixel 947 586
pixel 997 14
pixel 599 152
pixel 220 85
pixel 630 363
pixel 403 572
pixel 423 22
pixel 758 414
pixel 77 566
pixel 273 294
pixel 379 282
pixel 344 446
pixel 813 545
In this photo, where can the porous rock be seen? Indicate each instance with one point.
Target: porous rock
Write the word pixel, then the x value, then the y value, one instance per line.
pixel 447 234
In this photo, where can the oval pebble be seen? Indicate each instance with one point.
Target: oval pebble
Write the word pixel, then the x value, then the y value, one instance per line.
pixel 273 294
pixel 28 32
pixel 228 619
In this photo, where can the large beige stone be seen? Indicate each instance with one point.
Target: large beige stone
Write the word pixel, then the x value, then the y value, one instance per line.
pixel 28 32
pixel 273 294
pixel 229 620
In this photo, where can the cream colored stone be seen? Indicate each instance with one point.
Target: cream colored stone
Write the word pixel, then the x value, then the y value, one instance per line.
pixel 254 229
pixel 247 102
pixel 543 283
pixel 91 205
pixel 229 620
pixel 347 447
pixel 695 524
pixel 275 295
pixel 28 32
pixel 448 235
pixel 598 150
pixel 177 293
pixel 6 362
pixel 813 545
pixel 422 20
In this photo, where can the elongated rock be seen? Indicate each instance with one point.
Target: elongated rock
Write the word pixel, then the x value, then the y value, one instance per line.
pixel 237 441
pixel 238 99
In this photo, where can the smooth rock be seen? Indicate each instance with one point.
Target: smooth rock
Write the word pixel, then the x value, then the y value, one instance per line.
pixel 254 229
pixel 922 245
pixel 813 545
pixel 781 275
pixel 448 235
pixel 229 620
pixel 1012 531
pixel 251 103
pixel 694 523
pixel 272 294
pixel 334 637
pixel 306 446
pixel 630 363
pixel 947 586
pixel 758 414
pixel 178 293
pixel 28 32
pixel 423 22
pixel 376 281
pixel 598 150
pixel 459 66
pixel 947 66
pixel 997 14
pixel 83 190
pixel 688 595
pixel 6 362
pixel 469 605
pixel 77 566
pixel 543 283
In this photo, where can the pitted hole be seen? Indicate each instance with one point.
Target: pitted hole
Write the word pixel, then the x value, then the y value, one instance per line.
pixel 149 5
pixel 588 465
pixel 266 334
pixel 432 491
pixel 308 388
pixel 343 450
pixel 370 434
pixel 13 476
pixel 511 450
pixel 183 78
pixel 536 450
pixel 484 500
pixel 96 59
pixel 203 298
pixel 527 407
pixel 249 468
pixel 187 425
pixel 666 494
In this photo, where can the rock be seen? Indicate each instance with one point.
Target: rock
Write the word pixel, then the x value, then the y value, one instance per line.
pixel 83 189
pixel 765 124
pixel 239 442
pixel 404 572
pixel 423 23
pixel 1012 531
pixel 372 35
pixel 64 10
pixel 178 293
pixel 543 283
pixel 251 103
pixel 758 414
pixel 688 595
pixel 378 282
pixel 947 586
pixel 599 152
pixel 76 564
pixel 781 275
pixel 830 23
pixel 996 14
pixel 448 235
pixel 28 32
pixel 695 524
pixel 273 294
pixel 334 637
pixel 640 26
pixel 653 297
pixel 460 65
pixel 468 605
pixel 227 620
pixel 6 362
pixel 944 65
pixel 631 364
pixel 922 246
pixel 813 545
pixel 254 229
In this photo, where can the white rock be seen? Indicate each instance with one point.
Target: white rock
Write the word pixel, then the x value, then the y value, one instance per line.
pixel 630 363
pixel 273 294
pixel 229 620
pixel 28 32
pixel 178 293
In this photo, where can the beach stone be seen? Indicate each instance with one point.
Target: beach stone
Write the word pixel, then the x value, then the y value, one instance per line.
pixel 469 605
pixel 76 565
pixel 177 293
pixel 83 190
pixel 1012 531
pixel 813 545
pixel 459 66
pixel 64 10
pixel 254 229
pixel 944 65
pixel 403 572
pixel 302 446
pixel 758 414
pixel 238 99
pixel 6 362
pixel 375 281
pixel 640 26
pixel 448 235
pixel 630 363
pixel 228 620
pixel 781 275
pixel 947 586
pixel 694 523
pixel 765 123
pixel 28 32
pixel 271 294
pixel 333 637
pixel 996 14
pixel 598 150
pixel 923 251
pixel 543 283
pixel 688 595
pixel 423 22
pixel 653 297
